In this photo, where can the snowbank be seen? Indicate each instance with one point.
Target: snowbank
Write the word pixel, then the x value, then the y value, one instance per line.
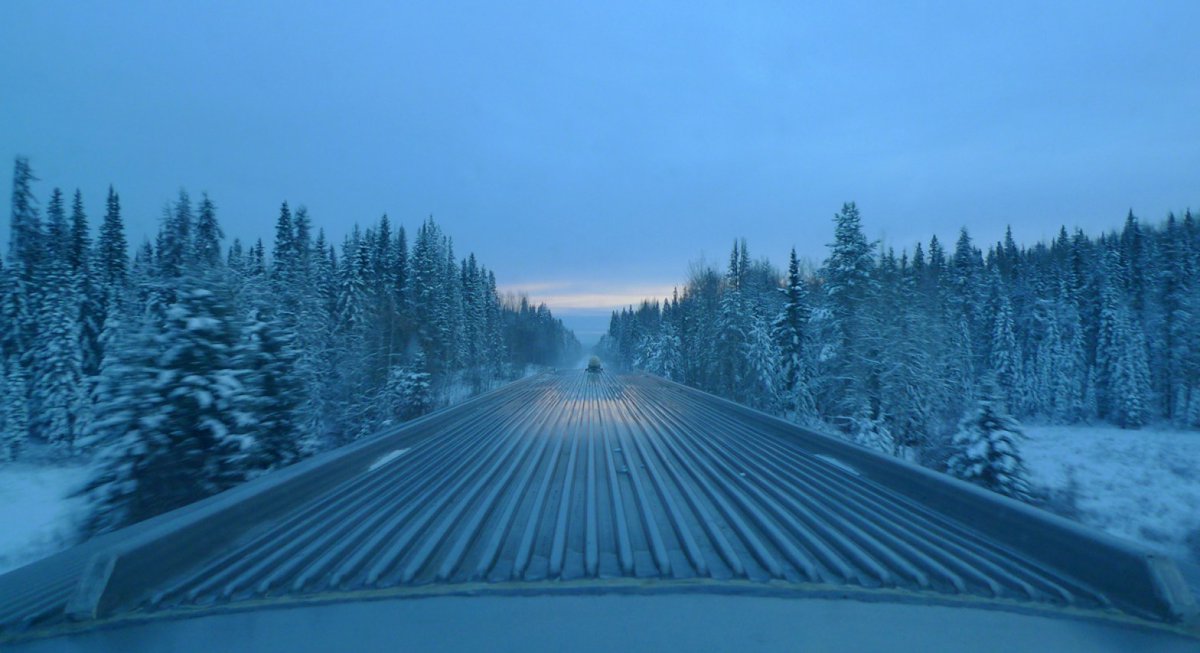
pixel 1142 485
pixel 37 511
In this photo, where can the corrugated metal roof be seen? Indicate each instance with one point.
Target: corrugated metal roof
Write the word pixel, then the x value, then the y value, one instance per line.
pixel 576 478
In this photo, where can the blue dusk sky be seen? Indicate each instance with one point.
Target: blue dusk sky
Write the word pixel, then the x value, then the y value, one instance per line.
pixel 588 151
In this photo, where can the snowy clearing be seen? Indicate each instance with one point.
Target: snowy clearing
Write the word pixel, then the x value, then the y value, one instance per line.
pixel 37 511
pixel 1142 485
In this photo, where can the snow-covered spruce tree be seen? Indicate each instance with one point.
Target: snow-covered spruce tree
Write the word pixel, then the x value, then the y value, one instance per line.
pixel 1177 291
pixel 283 255
pixel 733 327
pixel 497 348
pixel 402 293
pixel 14 407
pixel 256 261
pixel 110 268
pixel 1043 377
pixel 910 388
pixel 1130 389
pixel 1134 268
pixel 409 393
pixel 380 302
pixel 968 297
pixel 453 311
pixel 206 242
pixel 286 274
pixel 85 289
pixel 1112 331
pixel 79 252
pixel 1122 367
pixel 199 375
pixel 699 329
pixel 871 432
pixel 112 250
pixel 791 335
pixel 987 448
pixel 174 248
pixel 1070 371
pixel 57 393
pixel 1005 358
pixel 302 243
pixel 352 396
pixel 849 286
pixel 54 359
pixel 26 252
pixel 171 411
pixel 925 392
pixel 474 325
pixel 761 353
pixel 646 354
pixel 134 455
pixel 27 238
pixel 273 394
pixel 315 343
pixel 14 413
pixel 659 354
pixel 432 300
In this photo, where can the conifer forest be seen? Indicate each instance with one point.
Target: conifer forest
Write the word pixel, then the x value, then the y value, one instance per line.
pixel 932 353
pixel 184 365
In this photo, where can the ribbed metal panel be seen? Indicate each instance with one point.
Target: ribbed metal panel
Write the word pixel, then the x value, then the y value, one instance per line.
pixel 581 476
pixel 587 482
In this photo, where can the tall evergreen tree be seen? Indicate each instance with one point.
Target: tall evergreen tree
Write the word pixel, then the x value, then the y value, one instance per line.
pixel 1177 284
pixel 26 240
pixel 1006 366
pixel 1129 390
pixel 849 287
pixel 87 293
pixel 54 357
pixel 58 231
pixel 206 245
pixel 791 334
pixel 14 417
pixel 14 414
pixel 274 394
pixel 734 327
pixel 81 239
pixel 174 413
pixel 762 355
pixel 112 255
pixel 283 258
pixel 57 393
pixel 175 249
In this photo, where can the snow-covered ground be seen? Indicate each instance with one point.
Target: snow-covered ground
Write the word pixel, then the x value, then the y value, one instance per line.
pixel 1141 485
pixel 37 510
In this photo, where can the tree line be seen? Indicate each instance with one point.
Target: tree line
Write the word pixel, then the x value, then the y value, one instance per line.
pixel 892 350
pixel 190 367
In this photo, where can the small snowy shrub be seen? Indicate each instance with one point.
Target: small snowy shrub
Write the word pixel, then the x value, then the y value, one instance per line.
pixel 987 451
